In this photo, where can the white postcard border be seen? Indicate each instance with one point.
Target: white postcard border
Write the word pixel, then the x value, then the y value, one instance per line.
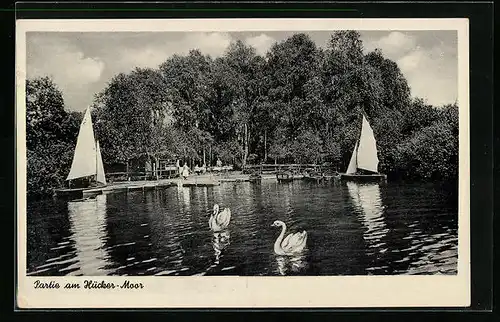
pixel 252 292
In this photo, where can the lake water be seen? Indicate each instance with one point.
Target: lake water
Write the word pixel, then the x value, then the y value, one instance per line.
pixel 353 229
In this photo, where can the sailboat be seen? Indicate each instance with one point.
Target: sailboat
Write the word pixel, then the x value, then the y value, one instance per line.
pixel 363 165
pixel 87 158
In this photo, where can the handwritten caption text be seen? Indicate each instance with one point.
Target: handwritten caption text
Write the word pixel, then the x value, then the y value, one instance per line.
pixel 88 284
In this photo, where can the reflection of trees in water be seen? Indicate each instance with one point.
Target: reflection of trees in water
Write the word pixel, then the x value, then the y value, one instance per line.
pixel 180 233
pixel 287 198
pixel 220 193
pixel 423 236
pixel 129 233
pixel 167 223
pixel 248 201
pixel 49 248
pixel 88 226
pixel 200 196
pixel 400 237
pixel 280 206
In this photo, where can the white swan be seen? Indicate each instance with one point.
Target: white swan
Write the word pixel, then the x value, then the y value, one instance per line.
pixel 292 244
pixel 219 220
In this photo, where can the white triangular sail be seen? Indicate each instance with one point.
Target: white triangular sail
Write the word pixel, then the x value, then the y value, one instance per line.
pixel 367 158
pixel 353 163
pixel 100 177
pixel 84 160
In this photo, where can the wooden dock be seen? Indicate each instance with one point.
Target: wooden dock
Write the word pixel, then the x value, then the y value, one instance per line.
pixel 193 181
pixel 83 193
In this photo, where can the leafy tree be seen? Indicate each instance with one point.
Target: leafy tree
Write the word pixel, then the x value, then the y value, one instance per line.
pixel 418 115
pixel 130 113
pixel 280 148
pixel 296 103
pixel 431 153
pixel 396 92
pixel 187 86
pixel 50 136
pixel 48 165
pixel 46 118
pixel 190 89
pixel 244 69
pixel 306 148
pixel 292 66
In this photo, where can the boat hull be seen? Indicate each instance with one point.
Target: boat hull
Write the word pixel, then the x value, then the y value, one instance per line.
pixel 314 178
pixel 364 177
pixel 77 193
pixel 255 178
pixel 285 179
pixel 288 177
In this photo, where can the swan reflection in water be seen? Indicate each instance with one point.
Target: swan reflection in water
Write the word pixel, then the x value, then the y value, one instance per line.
pixel 289 265
pixel 220 241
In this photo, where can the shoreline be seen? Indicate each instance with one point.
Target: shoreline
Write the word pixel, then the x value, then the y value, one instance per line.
pixel 202 180
pixel 194 180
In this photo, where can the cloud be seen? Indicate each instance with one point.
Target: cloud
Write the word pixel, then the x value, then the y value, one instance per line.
pixel 412 61
pixel 430 69
pixel 261 43
pixel 63 61
pixel 68 66
pixel 394 44
pixel 213 44
pixel 82 63
pixel 432 73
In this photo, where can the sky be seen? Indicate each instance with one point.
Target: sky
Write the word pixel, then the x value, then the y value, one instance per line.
pixel 82 64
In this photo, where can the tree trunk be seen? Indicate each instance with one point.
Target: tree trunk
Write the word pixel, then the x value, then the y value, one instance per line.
pixel 128 178
pixel 210 156
pixel 245 148
pixel 153 170
pixel 204 162
pixel 265 146
pixel 157 164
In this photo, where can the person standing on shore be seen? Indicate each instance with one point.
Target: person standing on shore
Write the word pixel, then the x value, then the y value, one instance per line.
pixel 185 171
pixel 179 169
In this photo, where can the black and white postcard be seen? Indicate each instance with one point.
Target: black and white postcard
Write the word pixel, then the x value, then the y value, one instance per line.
pixel 242 163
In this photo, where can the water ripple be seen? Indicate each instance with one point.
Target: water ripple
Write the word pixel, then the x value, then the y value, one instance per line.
pixel 352 229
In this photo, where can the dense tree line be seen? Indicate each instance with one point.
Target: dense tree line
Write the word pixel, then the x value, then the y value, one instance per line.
pixel 298 103
pixel 50 136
